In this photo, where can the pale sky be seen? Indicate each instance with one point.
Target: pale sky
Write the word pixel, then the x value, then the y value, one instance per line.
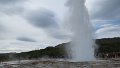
pixel 34 24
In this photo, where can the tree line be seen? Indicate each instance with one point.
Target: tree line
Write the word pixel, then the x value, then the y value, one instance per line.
pixel 105 45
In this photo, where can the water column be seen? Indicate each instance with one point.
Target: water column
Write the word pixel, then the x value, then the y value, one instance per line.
pixel 81 47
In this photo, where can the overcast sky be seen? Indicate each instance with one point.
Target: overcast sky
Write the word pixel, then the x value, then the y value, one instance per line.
pixel 34 24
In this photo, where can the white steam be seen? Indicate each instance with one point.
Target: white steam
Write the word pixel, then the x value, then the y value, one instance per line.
pixel 81 47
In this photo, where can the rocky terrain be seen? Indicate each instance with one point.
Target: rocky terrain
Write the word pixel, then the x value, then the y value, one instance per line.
pixel 62 64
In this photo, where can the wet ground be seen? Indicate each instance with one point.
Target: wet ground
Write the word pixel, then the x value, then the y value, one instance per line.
pixel 61 64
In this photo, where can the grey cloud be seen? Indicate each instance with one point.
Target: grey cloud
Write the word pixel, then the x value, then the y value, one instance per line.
pixel 106 12
pixel 61 36
pixel 57 34
pixel 106 32
pixel 3 31
pixel 42 18
pixel 108 28
pixel 10 1
pixel 46 19
pixel 106 9
pixel 26 39
pixel 11 6
pixel 12 10
pixel 1 28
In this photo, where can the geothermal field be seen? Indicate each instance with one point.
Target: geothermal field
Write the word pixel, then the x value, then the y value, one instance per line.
pixel 61 64
pixel 81 47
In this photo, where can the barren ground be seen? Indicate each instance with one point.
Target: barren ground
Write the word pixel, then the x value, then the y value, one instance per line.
pixel 60 64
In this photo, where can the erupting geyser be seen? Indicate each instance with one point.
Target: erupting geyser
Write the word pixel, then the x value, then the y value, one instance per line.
pixel 81 47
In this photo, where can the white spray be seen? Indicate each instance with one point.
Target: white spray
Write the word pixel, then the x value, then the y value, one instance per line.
pixel 81 47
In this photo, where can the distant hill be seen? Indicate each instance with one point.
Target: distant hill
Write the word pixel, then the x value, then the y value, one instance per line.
pixel 108 45
pixel 50 52
pixel 105 45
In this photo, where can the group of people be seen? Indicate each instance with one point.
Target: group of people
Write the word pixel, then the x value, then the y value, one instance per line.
pixel 109 55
